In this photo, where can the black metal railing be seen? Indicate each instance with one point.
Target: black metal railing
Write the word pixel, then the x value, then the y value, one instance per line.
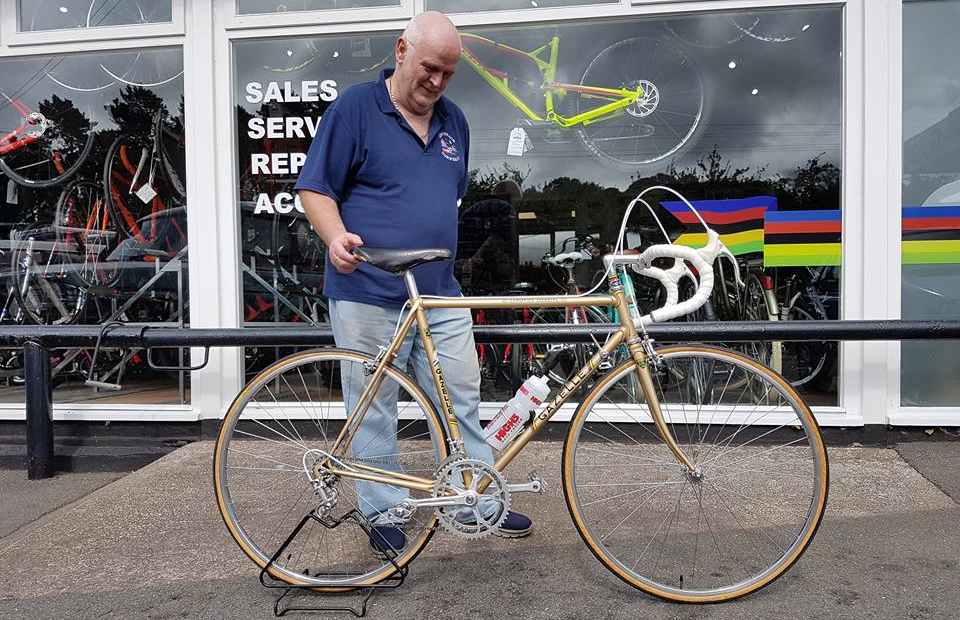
pixel 38 340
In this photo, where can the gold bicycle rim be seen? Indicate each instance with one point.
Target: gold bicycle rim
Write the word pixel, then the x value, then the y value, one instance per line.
pixel 413 549
pixel 597 548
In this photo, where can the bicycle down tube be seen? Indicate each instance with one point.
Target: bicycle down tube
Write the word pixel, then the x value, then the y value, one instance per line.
pixel 626 334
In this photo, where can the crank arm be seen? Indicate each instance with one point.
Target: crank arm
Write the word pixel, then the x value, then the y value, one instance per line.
pixel 534 485
pixel 460 499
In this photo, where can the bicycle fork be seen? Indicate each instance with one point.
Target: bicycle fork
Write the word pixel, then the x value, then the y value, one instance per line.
pixel 643 354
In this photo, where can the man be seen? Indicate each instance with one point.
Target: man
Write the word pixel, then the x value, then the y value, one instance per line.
pixel 386 169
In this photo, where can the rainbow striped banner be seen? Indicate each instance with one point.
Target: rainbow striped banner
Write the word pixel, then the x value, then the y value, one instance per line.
pixel 930 235
pixel 802 238
pixel 739 222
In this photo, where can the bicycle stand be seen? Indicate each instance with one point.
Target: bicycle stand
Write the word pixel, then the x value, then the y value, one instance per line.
pixel 269 581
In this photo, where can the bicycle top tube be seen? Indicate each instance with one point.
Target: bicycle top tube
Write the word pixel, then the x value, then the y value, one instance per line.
pixel 401 261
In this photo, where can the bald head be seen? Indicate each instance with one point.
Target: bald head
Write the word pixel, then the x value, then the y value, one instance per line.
pixel 427 56
pixel 433 28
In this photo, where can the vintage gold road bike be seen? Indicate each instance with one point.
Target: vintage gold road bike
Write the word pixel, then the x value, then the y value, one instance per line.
pixel 693 473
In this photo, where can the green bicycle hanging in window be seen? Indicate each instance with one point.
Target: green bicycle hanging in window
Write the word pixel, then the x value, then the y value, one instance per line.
pixel 639 101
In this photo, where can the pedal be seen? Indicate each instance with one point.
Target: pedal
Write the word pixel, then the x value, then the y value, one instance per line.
pixel 534 484
pixel 402 512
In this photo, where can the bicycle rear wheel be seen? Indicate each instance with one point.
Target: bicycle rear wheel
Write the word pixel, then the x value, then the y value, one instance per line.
pixel 45 278
pixel 283 422
pixel 661 122
pixel 743 519
pixel 57 153
pixel 84 230
pixel 127 171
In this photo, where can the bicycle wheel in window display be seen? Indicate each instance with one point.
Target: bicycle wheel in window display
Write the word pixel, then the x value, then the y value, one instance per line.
pixel 665 119
pixel 708 32
pixel 143 178
pixel 45 144
pixel 45 279
pixel 86 232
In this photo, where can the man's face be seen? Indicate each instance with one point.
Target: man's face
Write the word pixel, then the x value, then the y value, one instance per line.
pixel 425 71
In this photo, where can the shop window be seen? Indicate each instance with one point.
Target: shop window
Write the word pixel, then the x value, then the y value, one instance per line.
pixel 245 7
pixel 467 6
pixel 37 15
pixel 94 226
pixel 282 89
pixel 930 216
pixel 747 124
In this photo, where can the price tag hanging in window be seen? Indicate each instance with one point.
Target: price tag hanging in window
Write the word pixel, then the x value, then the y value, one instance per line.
pixel 519 143
pixel 11 192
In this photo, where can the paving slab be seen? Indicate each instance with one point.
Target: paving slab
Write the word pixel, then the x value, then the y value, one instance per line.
pixel 23 501
pixel 937 461
pixel 152 545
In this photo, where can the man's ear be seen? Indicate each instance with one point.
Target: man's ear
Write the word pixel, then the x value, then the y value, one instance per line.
pixel 401 50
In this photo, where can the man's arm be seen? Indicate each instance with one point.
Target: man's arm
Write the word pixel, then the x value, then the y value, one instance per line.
pixel 324 215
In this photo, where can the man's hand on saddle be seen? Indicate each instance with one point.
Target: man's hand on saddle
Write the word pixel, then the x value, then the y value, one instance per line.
pixel 340 251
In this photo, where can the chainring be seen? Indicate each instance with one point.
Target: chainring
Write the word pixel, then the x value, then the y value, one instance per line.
pixel 449 479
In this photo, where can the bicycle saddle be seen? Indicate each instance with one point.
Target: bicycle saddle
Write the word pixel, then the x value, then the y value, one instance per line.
pixel 398 261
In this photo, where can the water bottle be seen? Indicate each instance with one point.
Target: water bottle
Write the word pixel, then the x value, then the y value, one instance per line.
pixel 517 411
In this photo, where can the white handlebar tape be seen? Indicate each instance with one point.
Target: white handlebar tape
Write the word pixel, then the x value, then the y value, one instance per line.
pixel 701 259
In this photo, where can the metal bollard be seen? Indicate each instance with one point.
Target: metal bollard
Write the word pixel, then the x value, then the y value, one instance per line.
pixel 36 361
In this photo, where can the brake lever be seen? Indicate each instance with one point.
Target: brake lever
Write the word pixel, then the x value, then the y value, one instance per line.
pixel 725 252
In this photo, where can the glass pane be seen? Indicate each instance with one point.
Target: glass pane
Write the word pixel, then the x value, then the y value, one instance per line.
pixel 94 216
pixel 931 198
pixel 740 111
pixel 245 7
pixel 62 14
pixel 468 6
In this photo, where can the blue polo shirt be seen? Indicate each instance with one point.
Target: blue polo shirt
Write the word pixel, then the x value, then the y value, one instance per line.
pixel 391 189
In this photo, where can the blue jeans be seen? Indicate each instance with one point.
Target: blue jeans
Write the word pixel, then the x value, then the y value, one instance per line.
pixel 362 327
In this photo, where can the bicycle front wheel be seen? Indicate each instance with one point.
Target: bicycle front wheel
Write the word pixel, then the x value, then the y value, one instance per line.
pixel 731 527
pixel 285 421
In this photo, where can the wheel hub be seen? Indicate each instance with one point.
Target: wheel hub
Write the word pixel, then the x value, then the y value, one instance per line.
pixel 647 103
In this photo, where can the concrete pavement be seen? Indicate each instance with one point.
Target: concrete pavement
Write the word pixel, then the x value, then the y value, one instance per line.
pixel 151 545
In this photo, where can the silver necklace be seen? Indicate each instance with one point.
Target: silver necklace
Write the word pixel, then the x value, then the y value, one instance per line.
pixel 422 136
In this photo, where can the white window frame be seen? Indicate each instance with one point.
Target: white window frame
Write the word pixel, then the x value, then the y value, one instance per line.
pixel 232 20
pixel 142 36
pixel 11 36
pixel 898 414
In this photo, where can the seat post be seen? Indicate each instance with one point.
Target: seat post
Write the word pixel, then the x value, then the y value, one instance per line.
pixel 411 283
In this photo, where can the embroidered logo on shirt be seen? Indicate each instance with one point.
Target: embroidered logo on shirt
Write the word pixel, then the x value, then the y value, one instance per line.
pixel 448 147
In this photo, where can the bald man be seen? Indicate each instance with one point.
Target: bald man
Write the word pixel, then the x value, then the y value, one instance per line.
pixel 386 169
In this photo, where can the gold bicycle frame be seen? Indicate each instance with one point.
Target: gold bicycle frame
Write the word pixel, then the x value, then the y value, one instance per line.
pixel 625 334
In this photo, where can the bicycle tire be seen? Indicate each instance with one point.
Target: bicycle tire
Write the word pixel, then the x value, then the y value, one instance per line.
pixel 560 362
pixel 84 229
pixel 53 294
pixel 813 361
pixel 729 569
pixel 126 209
pixel 656 130
pixel 252 516
pixel 50 147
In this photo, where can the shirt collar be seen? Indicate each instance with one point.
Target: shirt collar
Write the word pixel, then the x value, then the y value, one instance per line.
pixel 386 104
